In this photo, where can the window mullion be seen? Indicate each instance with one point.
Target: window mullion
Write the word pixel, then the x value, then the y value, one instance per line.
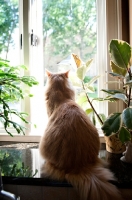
pixel 25 50
pixel 36 66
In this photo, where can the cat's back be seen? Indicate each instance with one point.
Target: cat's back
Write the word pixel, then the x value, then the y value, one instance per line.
pixel 70 112
pixel 70 140
pixel 71 137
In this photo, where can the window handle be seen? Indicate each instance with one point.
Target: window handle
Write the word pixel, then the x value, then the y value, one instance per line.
pixel 21 41
pixel 34 39
pixel 32 42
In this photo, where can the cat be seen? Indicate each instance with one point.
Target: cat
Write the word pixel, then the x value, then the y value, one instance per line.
pixel 70 144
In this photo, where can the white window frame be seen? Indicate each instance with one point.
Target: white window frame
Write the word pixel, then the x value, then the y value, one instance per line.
pixel 109 27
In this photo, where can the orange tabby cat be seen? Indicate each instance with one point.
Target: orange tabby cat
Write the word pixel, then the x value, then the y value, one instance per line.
pixel 70 144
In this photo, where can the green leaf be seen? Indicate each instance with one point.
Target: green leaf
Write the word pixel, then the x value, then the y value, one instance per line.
pixel 89 88
pixel 112 124
pixel 93 80
pixel 127 117
pixel 102 116
pixel 120 97
pixel 115 76
pixel 88 64
pixel 112 91
pixel 88 111
pixel 129 83
pixel 81 99
pixel 6 113
pixel 120 53
pixel 108 98
pixel 30 95
pixel 35 126
pixel 121 72
pixel 124 135
pixel 81 72
pixel 93 119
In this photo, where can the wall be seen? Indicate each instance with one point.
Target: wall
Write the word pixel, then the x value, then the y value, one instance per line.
pixel 27 192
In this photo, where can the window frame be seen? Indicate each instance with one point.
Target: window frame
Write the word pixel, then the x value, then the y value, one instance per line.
pixel 109 29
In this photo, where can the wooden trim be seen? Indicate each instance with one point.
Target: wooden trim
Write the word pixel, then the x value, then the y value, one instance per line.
pixel 125 20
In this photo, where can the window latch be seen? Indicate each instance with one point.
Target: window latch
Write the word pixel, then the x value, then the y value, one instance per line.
pixel 21 41
pixel 34 39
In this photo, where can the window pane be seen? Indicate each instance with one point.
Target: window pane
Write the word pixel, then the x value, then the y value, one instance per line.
pixel 9 38
pixel 70 27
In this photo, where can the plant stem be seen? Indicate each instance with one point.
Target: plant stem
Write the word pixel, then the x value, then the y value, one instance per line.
pixel 92 105
pixel 129 93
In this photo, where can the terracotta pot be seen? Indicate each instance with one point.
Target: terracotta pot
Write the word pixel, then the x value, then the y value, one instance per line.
pixel 114 145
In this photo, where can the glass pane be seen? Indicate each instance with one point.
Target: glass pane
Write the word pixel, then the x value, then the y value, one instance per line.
pixel 9 39
pixel 70 27
pixel 9 32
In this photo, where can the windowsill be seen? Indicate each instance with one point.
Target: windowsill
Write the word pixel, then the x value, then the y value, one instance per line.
pixel 20 138
pixel 29 154
pixel 35 138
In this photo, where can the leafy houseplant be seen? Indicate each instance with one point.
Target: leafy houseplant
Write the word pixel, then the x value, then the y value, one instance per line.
pixel 12 91
pixel 87 88
pixel 118 125
pixel 11 164
pixel 121 62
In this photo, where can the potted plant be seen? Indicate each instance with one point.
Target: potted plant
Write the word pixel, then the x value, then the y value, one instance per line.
pixel 113 143
pixel 12 85
pixel 121 69
pixel 87 88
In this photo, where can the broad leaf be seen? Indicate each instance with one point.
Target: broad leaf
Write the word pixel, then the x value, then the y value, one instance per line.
pixel 93 80
pixel 112 91
pixel 82 98
pixel 120 53
pixel 89 88
pixel 124 135
pixel 88 111
pixel 108 98
pixel 88 64
pixel 112 124
pixel 114 97
pixel 81 72
pixel 118 70
pixel 102 116
pixel 115 75
pixel 77 60
pixel 120 97
pixel 127 117
pixel 129 83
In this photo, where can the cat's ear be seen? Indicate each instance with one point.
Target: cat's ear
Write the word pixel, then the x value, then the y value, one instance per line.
pixel 48 73
pixel 67 73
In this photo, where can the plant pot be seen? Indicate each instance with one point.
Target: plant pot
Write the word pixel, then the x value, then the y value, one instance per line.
pixel 114 145
pixel 127 155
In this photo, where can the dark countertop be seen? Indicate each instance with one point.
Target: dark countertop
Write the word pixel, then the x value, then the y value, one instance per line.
pixel 20 160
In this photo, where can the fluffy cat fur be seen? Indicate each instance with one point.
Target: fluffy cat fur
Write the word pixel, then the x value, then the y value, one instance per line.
pixel 70 144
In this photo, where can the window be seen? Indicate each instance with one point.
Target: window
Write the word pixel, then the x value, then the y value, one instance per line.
pixel 59 29
pixel 9 34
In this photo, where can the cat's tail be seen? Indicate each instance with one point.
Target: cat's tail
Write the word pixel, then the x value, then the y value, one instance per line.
pixel 94 184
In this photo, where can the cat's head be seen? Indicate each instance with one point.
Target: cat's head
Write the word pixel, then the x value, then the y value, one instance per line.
pixel 58 80
pixel 59 87
pixel 65 74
